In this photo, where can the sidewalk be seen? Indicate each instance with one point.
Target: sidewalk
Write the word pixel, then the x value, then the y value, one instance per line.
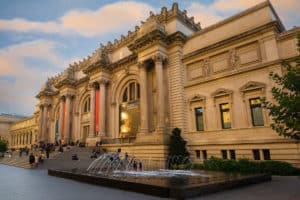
pixel 280 188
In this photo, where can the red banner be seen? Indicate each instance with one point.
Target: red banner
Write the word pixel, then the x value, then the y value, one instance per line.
pixel 97 110
pixel 63 120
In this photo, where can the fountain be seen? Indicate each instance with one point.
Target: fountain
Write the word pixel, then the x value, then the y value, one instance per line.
pixel 125 173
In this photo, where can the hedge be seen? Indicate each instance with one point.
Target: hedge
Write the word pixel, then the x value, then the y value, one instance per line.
pixel 246 166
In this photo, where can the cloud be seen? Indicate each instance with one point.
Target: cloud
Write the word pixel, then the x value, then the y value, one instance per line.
pixel 110 18
pixel 288 10
pixel 20 78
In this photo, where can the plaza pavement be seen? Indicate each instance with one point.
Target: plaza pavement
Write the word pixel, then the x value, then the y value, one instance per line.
pixel 24 184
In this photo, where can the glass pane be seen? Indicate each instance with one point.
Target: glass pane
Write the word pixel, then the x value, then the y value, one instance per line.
pixel 226 119
pixel 132 91
pixel 257 116
pixel 125 97
pixel 138 91
pixel 199 119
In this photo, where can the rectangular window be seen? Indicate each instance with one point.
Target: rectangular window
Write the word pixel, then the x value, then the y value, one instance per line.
pixel 267 155
pixel 225 116
pixel 199 119
pixel 197 154
pixel 224 154
pixel 256 112
pixel 232 154
pixel 204 154
pixel 256 155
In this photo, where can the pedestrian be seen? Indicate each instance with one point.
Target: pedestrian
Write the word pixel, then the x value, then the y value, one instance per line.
pixel 134 165
pixel 140 166
pixel 31 160
pixel 36 159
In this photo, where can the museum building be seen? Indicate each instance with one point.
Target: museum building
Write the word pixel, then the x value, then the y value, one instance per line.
pixel 169 72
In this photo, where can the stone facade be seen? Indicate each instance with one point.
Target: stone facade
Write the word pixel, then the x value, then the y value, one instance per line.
pixel 171 73
pixel 6 121
pixel 24 133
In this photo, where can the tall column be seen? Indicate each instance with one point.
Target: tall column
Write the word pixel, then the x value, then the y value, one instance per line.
pixel 68 118
pixel 102 117
pixel 61 116
pixel 92 116
pixel 44 130
pixel 158 59
pixel 143 98
pixel 40 123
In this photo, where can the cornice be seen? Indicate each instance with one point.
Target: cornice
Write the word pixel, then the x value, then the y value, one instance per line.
pixel 124 61
pixel 242 36
pixel 177 38
pixel 46 93
pixel 290 33
pixel 82 80
pixel 65 82
pixel 148 39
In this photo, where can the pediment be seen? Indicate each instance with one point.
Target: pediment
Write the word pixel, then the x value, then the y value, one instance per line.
pixel 221 92
pixel 252 85
pixel 196 97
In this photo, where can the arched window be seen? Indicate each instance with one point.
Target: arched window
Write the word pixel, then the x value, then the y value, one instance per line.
pixel 131 92
pixel 87 105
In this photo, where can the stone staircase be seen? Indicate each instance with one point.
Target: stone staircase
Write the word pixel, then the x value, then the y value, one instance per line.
pixel 16 160
pixel 63 161
pixel 57 160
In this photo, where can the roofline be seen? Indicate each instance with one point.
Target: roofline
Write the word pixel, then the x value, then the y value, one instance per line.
pixel 239 15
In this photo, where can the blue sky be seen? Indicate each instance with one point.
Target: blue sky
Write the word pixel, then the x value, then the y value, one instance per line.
pixel 40 38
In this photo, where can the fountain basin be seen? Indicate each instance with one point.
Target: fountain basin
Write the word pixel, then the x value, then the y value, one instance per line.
pixel 179 185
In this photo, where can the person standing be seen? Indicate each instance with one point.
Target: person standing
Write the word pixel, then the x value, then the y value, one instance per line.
pixel 31 160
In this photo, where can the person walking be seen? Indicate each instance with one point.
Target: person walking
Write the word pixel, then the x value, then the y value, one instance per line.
pixel 31 160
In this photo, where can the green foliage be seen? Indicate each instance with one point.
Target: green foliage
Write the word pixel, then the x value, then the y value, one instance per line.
pixel 246 166
pixel 286 110
pixel 3 145
pixel 178 153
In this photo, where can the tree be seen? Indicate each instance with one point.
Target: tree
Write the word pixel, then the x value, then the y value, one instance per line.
pixel 178 153
pixel 3 145
pixel 285 111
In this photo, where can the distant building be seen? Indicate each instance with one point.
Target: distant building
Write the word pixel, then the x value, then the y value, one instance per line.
pixel 6 121
pixel 167 73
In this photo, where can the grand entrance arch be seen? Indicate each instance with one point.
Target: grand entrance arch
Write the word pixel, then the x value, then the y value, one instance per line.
pixel 129 110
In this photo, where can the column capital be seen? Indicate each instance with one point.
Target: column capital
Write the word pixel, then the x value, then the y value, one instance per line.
pixel 141 65
pixel 103 81
pixel 159 57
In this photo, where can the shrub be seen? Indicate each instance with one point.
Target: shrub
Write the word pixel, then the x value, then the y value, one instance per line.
pixel 3 145
pixel 277 168
pixel 246 166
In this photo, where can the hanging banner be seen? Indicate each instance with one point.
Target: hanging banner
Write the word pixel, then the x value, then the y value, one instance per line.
pixel 63 121
pixel 97 110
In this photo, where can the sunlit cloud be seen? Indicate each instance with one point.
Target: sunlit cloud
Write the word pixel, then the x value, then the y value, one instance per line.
pixel 20 80
pixel 288 10
pixel 109 18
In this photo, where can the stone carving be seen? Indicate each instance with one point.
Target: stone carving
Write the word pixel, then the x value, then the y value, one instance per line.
pixel 206 67
pixel 234 59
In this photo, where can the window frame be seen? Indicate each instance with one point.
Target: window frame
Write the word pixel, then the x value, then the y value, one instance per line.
pixel 251 111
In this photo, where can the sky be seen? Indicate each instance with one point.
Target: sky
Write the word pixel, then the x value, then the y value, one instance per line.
pixel 40 38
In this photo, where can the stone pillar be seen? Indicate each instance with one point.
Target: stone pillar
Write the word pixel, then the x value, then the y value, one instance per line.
pixel 102 113
pixel 44 130
pixel 68 118
pixel 61 116
pixel 92 116
pixel 40 123
pixel 158 59
pixel 143 99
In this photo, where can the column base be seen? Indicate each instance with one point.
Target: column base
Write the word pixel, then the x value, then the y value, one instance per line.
pixel 91 141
